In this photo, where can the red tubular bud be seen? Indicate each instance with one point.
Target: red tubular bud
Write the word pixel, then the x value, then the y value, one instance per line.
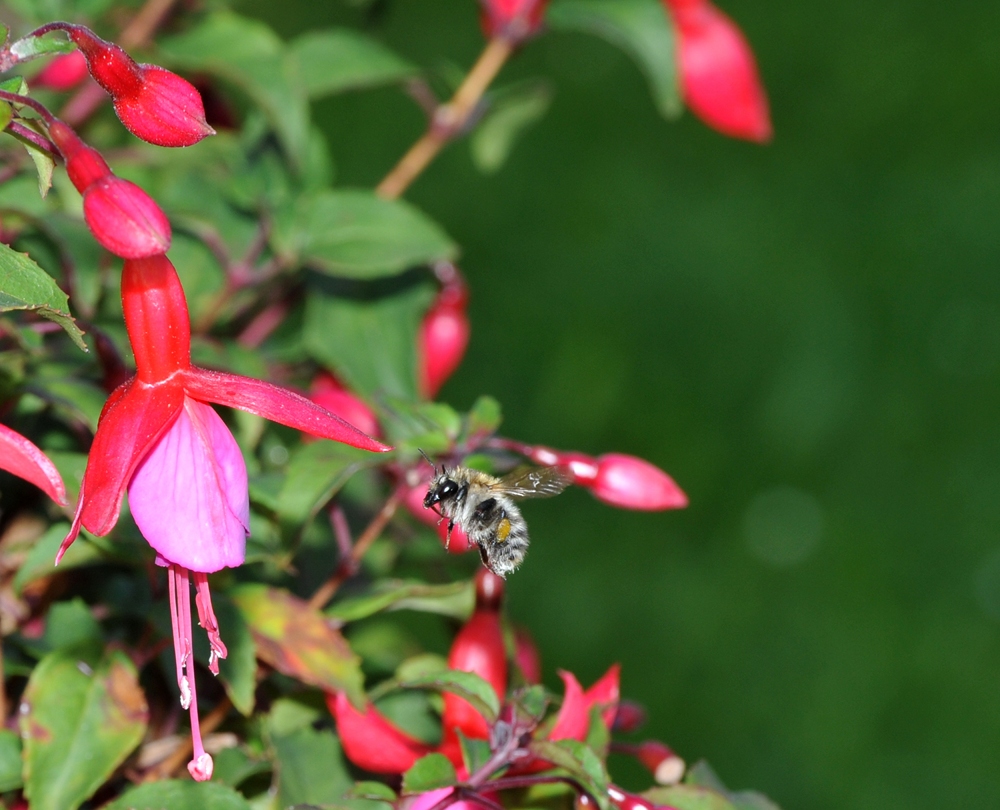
pixel 154 104
pixel 84 165
pixel 667 768
pixel 444 335
pixel 477 648
pixel 327 392
pixel 719 77
pixel 63 73
pixel 156 317
pixel 489 590
pixel 631 483
pixel 526 656
pixel 514 20
pixel 459 541
pixel 624 800
pixel 125 220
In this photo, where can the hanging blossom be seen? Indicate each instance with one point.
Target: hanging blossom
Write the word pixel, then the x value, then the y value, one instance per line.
pixel 718 72
pixel 513 20
pixel 186 477
pixel 23 459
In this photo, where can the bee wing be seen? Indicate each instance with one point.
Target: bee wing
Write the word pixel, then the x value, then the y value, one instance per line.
pixel 537 482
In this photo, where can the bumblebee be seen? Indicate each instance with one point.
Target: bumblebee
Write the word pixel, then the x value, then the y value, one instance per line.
pixel 483 506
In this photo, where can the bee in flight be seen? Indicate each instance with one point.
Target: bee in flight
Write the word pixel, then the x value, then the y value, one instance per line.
pixel 483 506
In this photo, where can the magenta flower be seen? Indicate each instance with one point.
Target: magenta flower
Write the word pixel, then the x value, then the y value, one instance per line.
pixel 186 477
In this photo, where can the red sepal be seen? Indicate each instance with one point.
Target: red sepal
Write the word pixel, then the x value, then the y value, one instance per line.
pixel 605 693
pixel 372 742
pixel 573 719
pixel 22 458
pixel 276 404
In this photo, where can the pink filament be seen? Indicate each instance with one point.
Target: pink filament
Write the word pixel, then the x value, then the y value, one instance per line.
pixel 206 618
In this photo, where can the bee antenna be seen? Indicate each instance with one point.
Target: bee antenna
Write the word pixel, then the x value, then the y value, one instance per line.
pixel 427 458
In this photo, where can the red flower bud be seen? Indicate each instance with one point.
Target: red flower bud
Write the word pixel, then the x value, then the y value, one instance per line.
pixel 631 483
pixel 629 717
pixel 122 217
pixel 514 20
pixel 477 648
pixel 526 656
pixel 372 742
pixel 154 104
pixel 719 76
pixel 444 335
pixel 458 542
pixel 327 392
pixel 489 590
pixel 667 768
pixel 64 72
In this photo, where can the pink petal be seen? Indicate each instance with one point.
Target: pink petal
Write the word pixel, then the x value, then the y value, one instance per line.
pixel 573 719
pixel 23 459
pixel 425 801
pixel 605 693
pixel 189 494
pixel 133 418
pixel 372 742
pixel 277 404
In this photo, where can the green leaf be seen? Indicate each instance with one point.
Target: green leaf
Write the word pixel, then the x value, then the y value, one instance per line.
pixel 511 112
pixel 234 765
pixel 582 763
pixel 641 28
pixel 78 725
pixel 30 47
pixel 429 426
pixel 455 599
pixel 40 561
pixel 10 760
pixel 174 794
pixel 367 337
pixel 339 59
pixel 483 419
pixel 250 55
pixel 375 791
pixel 298 641
pixel 238 670
pixel 72 625
pixel 464 684
pixel 689 797
pixel 310 767
pixel 355 234
pixel 703 788
pixel 315 473
pixel 44 162
pixel 430 772
pixel 25 286
pixel 6 114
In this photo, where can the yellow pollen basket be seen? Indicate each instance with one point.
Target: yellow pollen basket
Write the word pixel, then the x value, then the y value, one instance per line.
pixel 503 530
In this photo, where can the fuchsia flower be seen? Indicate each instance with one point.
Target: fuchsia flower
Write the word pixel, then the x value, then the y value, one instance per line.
pixel 444 332
pixel 186 477
pixel 23 459
pixel 154 104
pixel 513 20
pixel 719 76
pixel 122 217
pixel 63 73
pixel 373 743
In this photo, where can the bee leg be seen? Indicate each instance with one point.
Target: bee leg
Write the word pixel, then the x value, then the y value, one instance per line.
pixel 447 539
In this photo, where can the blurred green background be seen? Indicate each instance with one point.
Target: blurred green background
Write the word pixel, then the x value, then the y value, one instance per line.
pixel 806 335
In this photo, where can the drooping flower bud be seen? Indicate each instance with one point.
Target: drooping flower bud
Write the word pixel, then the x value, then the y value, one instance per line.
pixel 631 483
pixel 667 768
pixel 154 104
pixel 631 716
pixel 478 648
pixel 122 217
pixel 63 73
pixel 719 77
pixel 444 335
pixel 372 742
pixel 513 20
pixel 327 392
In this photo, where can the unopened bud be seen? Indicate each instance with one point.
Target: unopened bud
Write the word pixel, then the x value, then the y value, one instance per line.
pixel 631 483
pixel 667 768
pixel 154 104
pixel 629 717
pixel 63 73
pixel 719 78
pixel 327 392
pixel 489 590
pixel 478 648
pixel 513 20
pixel 526 656
pixel 444 336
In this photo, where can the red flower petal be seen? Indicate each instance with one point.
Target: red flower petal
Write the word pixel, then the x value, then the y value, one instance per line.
pixel 372 742
pixel 605 694
pixel 274 403
pixel 134 417
pixel 22 458
pixel 573 719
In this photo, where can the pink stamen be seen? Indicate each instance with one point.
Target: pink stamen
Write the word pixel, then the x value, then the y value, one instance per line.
pixel 201 766
pixel 206 618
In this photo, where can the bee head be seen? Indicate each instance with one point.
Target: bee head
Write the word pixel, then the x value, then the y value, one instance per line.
pixel 441 490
